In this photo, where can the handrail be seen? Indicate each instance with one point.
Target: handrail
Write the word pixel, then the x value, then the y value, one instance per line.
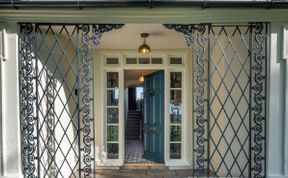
pixel 142 115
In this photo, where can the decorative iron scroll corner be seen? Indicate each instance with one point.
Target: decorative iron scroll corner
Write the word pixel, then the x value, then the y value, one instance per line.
pixel 26 28
pixel 186 29
pixel 99 29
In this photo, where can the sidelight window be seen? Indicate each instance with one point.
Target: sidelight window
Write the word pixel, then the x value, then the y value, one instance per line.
pixel 176 115
pixel 112 115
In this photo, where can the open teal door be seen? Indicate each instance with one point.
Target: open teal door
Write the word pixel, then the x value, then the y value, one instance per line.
pixel 154 117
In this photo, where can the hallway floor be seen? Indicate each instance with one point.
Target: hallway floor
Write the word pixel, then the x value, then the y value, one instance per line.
pixel 134 152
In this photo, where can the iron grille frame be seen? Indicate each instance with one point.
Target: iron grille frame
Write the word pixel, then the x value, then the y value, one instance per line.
pixel 87 37
pixel 198 37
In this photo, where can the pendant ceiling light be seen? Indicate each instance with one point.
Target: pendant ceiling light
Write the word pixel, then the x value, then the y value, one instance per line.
pixel 144 48
pixel 141 79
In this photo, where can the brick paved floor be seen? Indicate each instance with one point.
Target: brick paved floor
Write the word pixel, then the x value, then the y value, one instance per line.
pixel 143 173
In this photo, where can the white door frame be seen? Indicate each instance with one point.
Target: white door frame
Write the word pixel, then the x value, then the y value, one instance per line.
pixel 167 68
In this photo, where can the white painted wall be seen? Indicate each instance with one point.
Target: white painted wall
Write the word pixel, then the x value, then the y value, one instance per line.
pixel 10 108
pixel 277 116
pixel 285 58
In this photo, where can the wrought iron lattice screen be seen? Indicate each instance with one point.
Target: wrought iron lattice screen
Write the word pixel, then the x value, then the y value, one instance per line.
pixel 229 98
pixel 56 88
pixel 233 105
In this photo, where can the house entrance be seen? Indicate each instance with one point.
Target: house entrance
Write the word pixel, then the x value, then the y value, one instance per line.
pixel 215 104
pixel 144 118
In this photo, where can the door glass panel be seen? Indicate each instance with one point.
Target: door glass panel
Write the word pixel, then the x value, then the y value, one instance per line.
pixel 175 115
pixel 112 80
pixel 175 60
pixel 131 60
pixel 112 97
pixel 175 151
pixel 175 98
pixel 112 115
pixel 112 133
pixel 156 60
pixel 175 133
pixel 144 60
pixel 112 61
pixel 176 80
pixel 112 150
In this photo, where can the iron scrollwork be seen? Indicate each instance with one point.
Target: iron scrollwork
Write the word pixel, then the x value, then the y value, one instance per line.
pixel 196 36
pixel 86 84
pixel 33 140
pixel 98 30
pixel 86 101
pixel 200 102
pixel 27 100
pixel 259 64
pixel 186 29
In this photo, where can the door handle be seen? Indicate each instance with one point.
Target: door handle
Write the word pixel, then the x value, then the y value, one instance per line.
pixel 151 128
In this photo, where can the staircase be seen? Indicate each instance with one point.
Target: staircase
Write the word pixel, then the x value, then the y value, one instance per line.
pixel 132 131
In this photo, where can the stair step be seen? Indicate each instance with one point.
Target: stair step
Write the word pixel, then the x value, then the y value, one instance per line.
pixel 133 121
pixel 132 132
pixel 132 138
pixel 145 166
pixel 129 113
pixel 134 116
pixel 134 135
pixel 130 129
pixel 132 126
pixel 134 111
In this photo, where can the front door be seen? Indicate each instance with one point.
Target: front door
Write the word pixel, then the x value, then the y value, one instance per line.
pixel 154 117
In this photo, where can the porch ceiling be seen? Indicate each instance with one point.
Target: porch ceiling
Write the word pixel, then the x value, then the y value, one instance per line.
pixel 128 37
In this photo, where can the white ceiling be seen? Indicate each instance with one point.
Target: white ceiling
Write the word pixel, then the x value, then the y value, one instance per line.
pixel 135 74
pixel 128 37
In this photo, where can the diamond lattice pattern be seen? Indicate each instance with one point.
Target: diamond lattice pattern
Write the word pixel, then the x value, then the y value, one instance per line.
pixel 57 79
pixel 229 101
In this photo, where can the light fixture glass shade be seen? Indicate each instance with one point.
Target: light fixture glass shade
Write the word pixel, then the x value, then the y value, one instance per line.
pixel 141 79
pixel 144 49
